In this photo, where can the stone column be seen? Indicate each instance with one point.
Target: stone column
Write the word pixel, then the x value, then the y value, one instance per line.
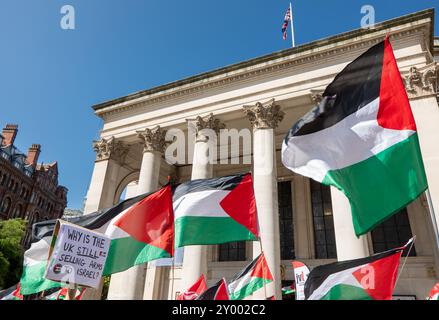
pixel 129 284
pixel 195 257
pixel 421 86
pixel 264 119
pixel 347 244
pixel 121 287
pixel 110 155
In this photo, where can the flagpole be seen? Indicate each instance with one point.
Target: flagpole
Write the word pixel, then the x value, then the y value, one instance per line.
pixel 433 218
pixel 172 280
pixel 405 260
pixel 292 26
pixel 263 270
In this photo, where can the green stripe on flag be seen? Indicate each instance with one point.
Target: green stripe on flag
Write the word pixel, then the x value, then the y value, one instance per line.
pixel 382 184
pixel 191 230
pixel 251 287
pixel 346 292
pixel 125 253
pixel 33 280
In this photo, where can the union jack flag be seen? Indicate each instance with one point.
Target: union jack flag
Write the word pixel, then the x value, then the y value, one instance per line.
pixel 285 25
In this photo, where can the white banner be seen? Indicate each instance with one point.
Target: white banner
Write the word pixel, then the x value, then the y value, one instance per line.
pixel 77 255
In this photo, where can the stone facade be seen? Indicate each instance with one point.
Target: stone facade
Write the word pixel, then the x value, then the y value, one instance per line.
pixel 28 190
pixel 300 219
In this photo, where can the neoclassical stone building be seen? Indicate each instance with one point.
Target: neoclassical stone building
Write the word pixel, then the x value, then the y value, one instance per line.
pixel 300 219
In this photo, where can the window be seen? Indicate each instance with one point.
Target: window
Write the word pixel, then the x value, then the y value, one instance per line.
pixel 286 227
pixel 6 205
pixel 392 233
pixel 232 251
pixel 323 221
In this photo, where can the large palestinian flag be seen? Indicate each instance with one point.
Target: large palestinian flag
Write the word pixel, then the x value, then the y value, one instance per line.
pixel 371 278
pixel 140 228
pixel 362 139
pixel 252 278
pixel 214 211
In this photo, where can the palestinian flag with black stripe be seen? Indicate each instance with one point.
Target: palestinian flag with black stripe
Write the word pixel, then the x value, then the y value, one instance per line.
pixel 140 229
pixel 362 139
pixel 370 278
pixel 252 278
pixel 215 211
pixel 216 292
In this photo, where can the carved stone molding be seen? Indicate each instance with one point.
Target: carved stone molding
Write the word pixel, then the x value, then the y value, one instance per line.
pixel 153 139
pixel 421 82
pixel 264 115
pixel 209 122
pixel 110 149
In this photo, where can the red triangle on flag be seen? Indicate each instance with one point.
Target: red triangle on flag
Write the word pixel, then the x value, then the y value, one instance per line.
pixel 222 293
pixel 395 111
pixel 151 220
pixel 197 288
pixel 240 205
pixel 261 269
pixel 378 277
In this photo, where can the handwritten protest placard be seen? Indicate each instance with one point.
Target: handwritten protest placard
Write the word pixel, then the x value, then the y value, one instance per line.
pixel 77 255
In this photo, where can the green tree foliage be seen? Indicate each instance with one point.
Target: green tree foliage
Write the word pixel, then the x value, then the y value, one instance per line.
pixel 11 252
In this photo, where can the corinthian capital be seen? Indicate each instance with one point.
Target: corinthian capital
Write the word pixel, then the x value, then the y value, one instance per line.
pixel 420 82
pixel 110 149
pixel 209 122
pixel 153 139
pixel 264 115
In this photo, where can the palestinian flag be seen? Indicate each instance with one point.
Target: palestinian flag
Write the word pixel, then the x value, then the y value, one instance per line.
pixel 362 139
pixel 370 278
pixel 140 228
pixel 434 293
pixel 215 211
pixel 12 293
pixel 193 292
pixel 288 289
pixel 217 292
pixel 252 278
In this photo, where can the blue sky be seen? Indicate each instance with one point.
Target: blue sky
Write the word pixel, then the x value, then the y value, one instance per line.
pixel 50 78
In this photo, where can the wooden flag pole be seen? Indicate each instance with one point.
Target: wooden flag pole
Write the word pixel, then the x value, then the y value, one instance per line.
pixel 433 218
pixel 263 269
pixel 71 292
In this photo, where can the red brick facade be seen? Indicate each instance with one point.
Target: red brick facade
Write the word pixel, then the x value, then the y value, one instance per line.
pixel 28 190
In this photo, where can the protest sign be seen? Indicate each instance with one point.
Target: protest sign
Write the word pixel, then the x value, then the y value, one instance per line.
pixel 301 273
pixel 77 255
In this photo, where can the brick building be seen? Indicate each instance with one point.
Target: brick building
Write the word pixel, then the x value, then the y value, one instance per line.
pixel 28 189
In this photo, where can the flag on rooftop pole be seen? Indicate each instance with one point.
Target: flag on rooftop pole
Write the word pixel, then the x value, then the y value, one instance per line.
pixel 288 20
pixel 249 280
pixel 215 211
pixel 370 278
pixel 195 290
pixel 140 229
pixel 362 139
pixel 216 292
